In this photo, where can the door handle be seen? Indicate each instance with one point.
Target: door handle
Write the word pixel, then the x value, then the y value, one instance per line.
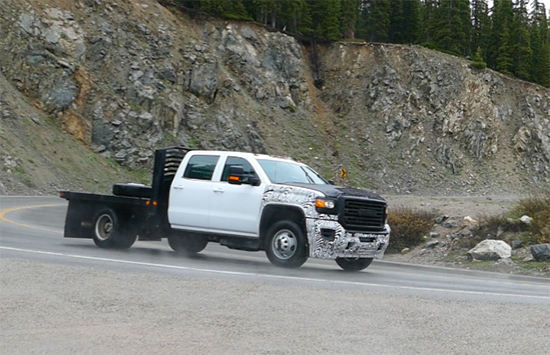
pixel 178 187
pixel 219 189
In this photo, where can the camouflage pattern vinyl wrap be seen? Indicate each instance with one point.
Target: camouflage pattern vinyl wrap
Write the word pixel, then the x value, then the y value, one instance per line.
pixel 344 244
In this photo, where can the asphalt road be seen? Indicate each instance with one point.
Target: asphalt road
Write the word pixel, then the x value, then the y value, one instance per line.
pixel 67 296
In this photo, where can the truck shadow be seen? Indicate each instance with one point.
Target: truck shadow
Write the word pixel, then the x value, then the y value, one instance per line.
pixel 213 260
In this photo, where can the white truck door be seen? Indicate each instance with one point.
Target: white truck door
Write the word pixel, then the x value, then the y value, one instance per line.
pixel 236 208
pixel 191 192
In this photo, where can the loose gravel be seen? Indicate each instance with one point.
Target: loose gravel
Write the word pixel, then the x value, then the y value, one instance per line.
pixel 58 309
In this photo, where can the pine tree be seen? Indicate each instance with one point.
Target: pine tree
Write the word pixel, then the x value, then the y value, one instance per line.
pixel 348 20
pixel 478 61
pixel 464 23
pixel 234 9
pixel 505 61
pixel 378 20
pixel 412 22
pixel 480 26
pixel 443 35
pixel 521 48
pixel 501 18
pixel 540 66
pixel 326 18
pixel 396 33
pixel 429 19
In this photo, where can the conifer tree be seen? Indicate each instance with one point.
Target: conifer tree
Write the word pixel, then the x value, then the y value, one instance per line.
pixel 378 20
pixel 540 67
pixel 501 19
pixel 412 21
pixel 521 47
pixel 478 61
pixel 429 19
pixel 480 26
pixel 348 20
pixel 396 33
pixel 505 61
pixel 452 30
pixel 326 18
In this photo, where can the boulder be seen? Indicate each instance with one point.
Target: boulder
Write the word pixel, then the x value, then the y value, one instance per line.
pixel 490 249
pixel 431 244
pixel 469 221
pixel 526 219
pixel 516 244
pixel 540 252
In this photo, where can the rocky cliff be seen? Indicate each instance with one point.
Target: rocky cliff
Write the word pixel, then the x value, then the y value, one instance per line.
pixel 125 77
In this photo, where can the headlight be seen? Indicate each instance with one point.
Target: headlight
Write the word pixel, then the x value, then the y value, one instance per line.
pixel 327 204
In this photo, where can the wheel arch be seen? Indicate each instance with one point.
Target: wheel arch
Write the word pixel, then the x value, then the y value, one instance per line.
pixel 273 213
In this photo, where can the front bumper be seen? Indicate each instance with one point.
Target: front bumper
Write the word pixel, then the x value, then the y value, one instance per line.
pixel 329 240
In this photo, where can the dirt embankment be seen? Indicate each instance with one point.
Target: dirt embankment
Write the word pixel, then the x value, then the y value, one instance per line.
pixel 456 208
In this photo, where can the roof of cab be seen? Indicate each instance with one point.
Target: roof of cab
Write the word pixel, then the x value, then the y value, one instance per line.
pixel 243 154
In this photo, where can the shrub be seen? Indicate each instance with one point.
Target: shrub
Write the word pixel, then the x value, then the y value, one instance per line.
pixel 536 207
pixel 408 227
pixel 478 62
pixel 499 227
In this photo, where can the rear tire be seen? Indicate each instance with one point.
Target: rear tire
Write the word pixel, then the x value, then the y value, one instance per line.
pixel 109 232
pixel 186 244
pixel 285 245
pixel 354 264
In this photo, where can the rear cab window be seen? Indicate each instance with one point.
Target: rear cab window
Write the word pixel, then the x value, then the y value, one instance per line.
pixel 201 167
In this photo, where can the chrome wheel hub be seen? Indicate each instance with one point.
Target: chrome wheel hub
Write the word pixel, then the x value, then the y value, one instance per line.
pixel 104 227
pixel 284 244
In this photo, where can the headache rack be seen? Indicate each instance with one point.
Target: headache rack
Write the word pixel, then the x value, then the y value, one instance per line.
pixel 167 162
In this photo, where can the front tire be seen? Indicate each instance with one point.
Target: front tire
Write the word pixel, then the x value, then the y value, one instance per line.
pixel 187 244
pixel 286 245
pixel 109 232
pixel 354 264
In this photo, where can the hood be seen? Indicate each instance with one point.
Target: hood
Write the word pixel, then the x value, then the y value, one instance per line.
pixel 334 191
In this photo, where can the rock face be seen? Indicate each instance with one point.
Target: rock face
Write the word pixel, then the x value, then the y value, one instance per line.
pixel 540 252
pixel 490 250
pixel 124 79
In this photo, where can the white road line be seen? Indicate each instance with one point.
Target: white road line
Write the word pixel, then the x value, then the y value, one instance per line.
pixel 256 275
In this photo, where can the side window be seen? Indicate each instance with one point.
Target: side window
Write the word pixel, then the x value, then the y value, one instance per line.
pixel 248 171
pixel 201 167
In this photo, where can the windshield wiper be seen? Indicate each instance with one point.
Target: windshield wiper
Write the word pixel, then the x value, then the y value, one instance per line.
pixel 307 175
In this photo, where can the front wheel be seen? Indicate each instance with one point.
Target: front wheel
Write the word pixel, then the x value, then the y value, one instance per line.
pixel 186 244
pixel 358 264
pixel 286 245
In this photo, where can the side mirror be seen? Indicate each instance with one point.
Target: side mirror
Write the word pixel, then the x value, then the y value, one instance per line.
pixel 254 181
pixel 235 175
pixel 331 182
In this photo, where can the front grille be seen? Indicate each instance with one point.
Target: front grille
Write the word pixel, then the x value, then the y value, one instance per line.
pixel 363 214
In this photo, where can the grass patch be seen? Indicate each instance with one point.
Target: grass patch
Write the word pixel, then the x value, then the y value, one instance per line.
pixel 535 265
pixel 24 177
pixel 508 226
pixel 142 176
pixel 409 226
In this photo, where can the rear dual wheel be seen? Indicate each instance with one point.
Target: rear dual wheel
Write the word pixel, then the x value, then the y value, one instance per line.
pixel 186 244
pixel 110 232
pixel 357 264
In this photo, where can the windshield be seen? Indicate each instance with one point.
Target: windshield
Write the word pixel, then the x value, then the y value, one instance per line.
pixel 280 172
